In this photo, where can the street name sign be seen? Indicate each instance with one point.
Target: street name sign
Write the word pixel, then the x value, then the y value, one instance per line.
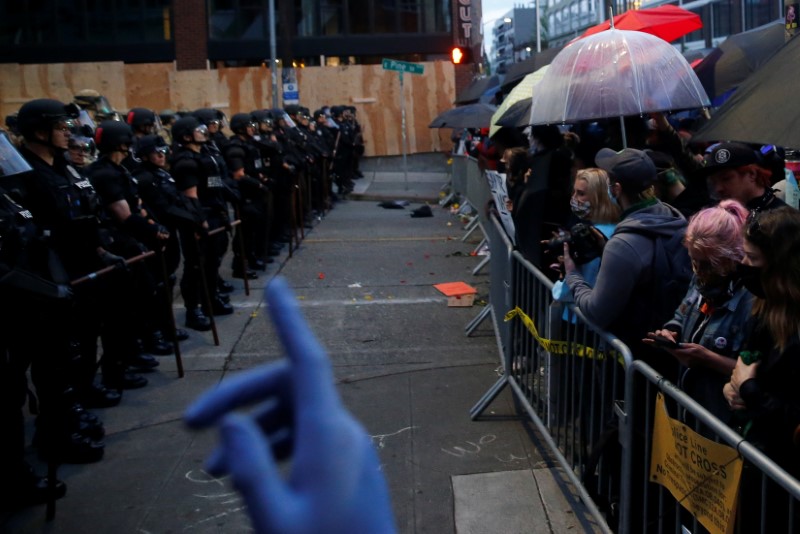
pixel 403 66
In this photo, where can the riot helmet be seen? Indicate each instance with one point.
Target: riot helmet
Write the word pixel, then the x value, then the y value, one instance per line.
pixel 264 119
pixel 240 122
pixel 148 144
pixel 111 136
pixel 46 115
pixel 90 99
pixel 210 117
pixel 142 120
pixel 189 127
pixel 82 150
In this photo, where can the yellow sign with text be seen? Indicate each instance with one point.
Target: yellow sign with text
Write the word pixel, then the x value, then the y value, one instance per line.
pixel 702 475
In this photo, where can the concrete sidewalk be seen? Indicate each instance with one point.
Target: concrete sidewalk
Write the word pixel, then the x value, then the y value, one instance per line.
pixel 403 365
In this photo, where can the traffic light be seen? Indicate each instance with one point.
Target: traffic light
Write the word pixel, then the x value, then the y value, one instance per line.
pixel 461 55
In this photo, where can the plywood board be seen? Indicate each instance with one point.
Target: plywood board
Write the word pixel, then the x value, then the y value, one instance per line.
pixel 373 91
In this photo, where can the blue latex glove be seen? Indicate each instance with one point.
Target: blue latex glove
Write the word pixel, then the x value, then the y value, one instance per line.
pixel 335 484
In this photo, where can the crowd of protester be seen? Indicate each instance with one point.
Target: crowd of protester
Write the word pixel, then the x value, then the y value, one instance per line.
pixel 678 248
pixel 102 214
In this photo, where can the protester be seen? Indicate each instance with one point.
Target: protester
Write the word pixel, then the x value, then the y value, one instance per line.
pixel 734 170
pixel 335 485
pixel 767 389
pixel 763 389
pixel 593 208
pixel 710 322
pixel 642 265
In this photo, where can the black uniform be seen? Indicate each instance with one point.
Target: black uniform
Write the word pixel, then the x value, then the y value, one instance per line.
pixel 202 171
pixel 242 155
pixel 129 238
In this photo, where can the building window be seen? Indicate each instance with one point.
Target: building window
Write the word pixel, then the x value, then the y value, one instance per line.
pixel 77 22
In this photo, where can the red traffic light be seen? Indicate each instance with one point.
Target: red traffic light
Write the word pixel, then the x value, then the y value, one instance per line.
pixel 460 55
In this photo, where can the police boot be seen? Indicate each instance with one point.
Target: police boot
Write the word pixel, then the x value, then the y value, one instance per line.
pixel 224 286
pixel 97 396
pixel 28 489
pixel 142 362
pixel 58 443
pixel 124 380
pixel 220 307
pixel 156 344
pixel 197 320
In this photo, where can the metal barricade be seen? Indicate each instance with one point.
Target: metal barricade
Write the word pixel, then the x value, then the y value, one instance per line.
pixel 459 176
pixel 567 375
pixel 500 249
pixel 769 498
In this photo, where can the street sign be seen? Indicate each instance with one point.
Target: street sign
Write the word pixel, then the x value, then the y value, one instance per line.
pixel 403 66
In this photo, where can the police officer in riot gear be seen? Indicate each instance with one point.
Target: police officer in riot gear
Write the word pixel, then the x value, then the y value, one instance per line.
pixel 197 177
pixel 343 151
pixel 37 282
pixel 160 197
pixel 133 230
pixel 18 236
pixel 246 166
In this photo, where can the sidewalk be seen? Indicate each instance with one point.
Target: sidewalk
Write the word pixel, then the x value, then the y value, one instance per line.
pixel 402 363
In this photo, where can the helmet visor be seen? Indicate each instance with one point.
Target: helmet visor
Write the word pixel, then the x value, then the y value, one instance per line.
pixel 11 162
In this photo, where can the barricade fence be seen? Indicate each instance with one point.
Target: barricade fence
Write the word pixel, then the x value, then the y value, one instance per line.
pixel 576 382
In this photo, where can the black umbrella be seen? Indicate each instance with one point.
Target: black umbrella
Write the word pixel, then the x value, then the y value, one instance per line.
pixel 763 109
pixel 738 57
pixel 518 115
pixel 469 116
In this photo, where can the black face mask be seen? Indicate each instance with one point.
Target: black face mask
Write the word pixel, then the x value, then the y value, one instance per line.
pixel 751 279
pixel 501 167
pixel 717 291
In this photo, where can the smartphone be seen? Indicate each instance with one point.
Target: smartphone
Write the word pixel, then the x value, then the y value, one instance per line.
pixel 664 342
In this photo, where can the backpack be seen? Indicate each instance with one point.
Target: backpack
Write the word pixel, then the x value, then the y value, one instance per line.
pixel 672 273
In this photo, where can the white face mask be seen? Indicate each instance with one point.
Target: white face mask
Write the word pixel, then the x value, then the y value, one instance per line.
pixel 580 209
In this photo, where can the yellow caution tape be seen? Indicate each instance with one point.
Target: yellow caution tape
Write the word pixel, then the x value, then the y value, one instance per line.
pixel 561 348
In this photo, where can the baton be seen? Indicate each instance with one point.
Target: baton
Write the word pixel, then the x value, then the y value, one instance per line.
pixel 242 254
pixel 106 270
pixel 172 328
pixel 221 229
pixel 201 265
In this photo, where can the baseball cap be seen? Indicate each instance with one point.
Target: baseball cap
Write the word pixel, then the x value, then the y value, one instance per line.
pixel 727 156
pixel 632 168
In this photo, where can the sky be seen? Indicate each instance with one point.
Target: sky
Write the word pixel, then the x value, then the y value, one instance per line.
pixel 494 9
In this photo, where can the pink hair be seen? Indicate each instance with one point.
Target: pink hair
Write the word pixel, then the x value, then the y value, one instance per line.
pixel 717 232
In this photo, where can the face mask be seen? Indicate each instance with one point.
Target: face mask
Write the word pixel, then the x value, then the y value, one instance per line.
pixel 716 291
pixel 751 279
pixel 580 209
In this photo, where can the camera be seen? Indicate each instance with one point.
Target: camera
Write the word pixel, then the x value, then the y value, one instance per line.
pixel 584 245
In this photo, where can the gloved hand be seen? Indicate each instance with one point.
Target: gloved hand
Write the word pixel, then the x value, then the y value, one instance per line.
pixel 335 485
pixel 112 260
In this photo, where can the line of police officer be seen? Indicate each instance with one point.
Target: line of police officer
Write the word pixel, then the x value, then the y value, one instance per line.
pixel 63 216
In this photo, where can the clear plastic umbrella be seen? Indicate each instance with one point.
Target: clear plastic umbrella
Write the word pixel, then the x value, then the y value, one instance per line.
pixel 612 74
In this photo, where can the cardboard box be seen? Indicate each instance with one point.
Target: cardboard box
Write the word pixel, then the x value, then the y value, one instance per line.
pixel 458 294
pixel 461 300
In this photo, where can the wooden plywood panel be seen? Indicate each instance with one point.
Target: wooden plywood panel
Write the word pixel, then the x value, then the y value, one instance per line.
pixel 192 89
pixel 147 85
pixel 374 92
pixel 247 88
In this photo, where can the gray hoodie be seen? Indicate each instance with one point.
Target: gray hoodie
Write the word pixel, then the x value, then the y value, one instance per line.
pixel 621 300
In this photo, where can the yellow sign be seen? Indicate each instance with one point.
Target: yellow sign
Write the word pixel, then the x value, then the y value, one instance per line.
pixel 702 475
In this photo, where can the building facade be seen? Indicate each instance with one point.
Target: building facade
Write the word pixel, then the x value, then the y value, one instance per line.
pixel 237 32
